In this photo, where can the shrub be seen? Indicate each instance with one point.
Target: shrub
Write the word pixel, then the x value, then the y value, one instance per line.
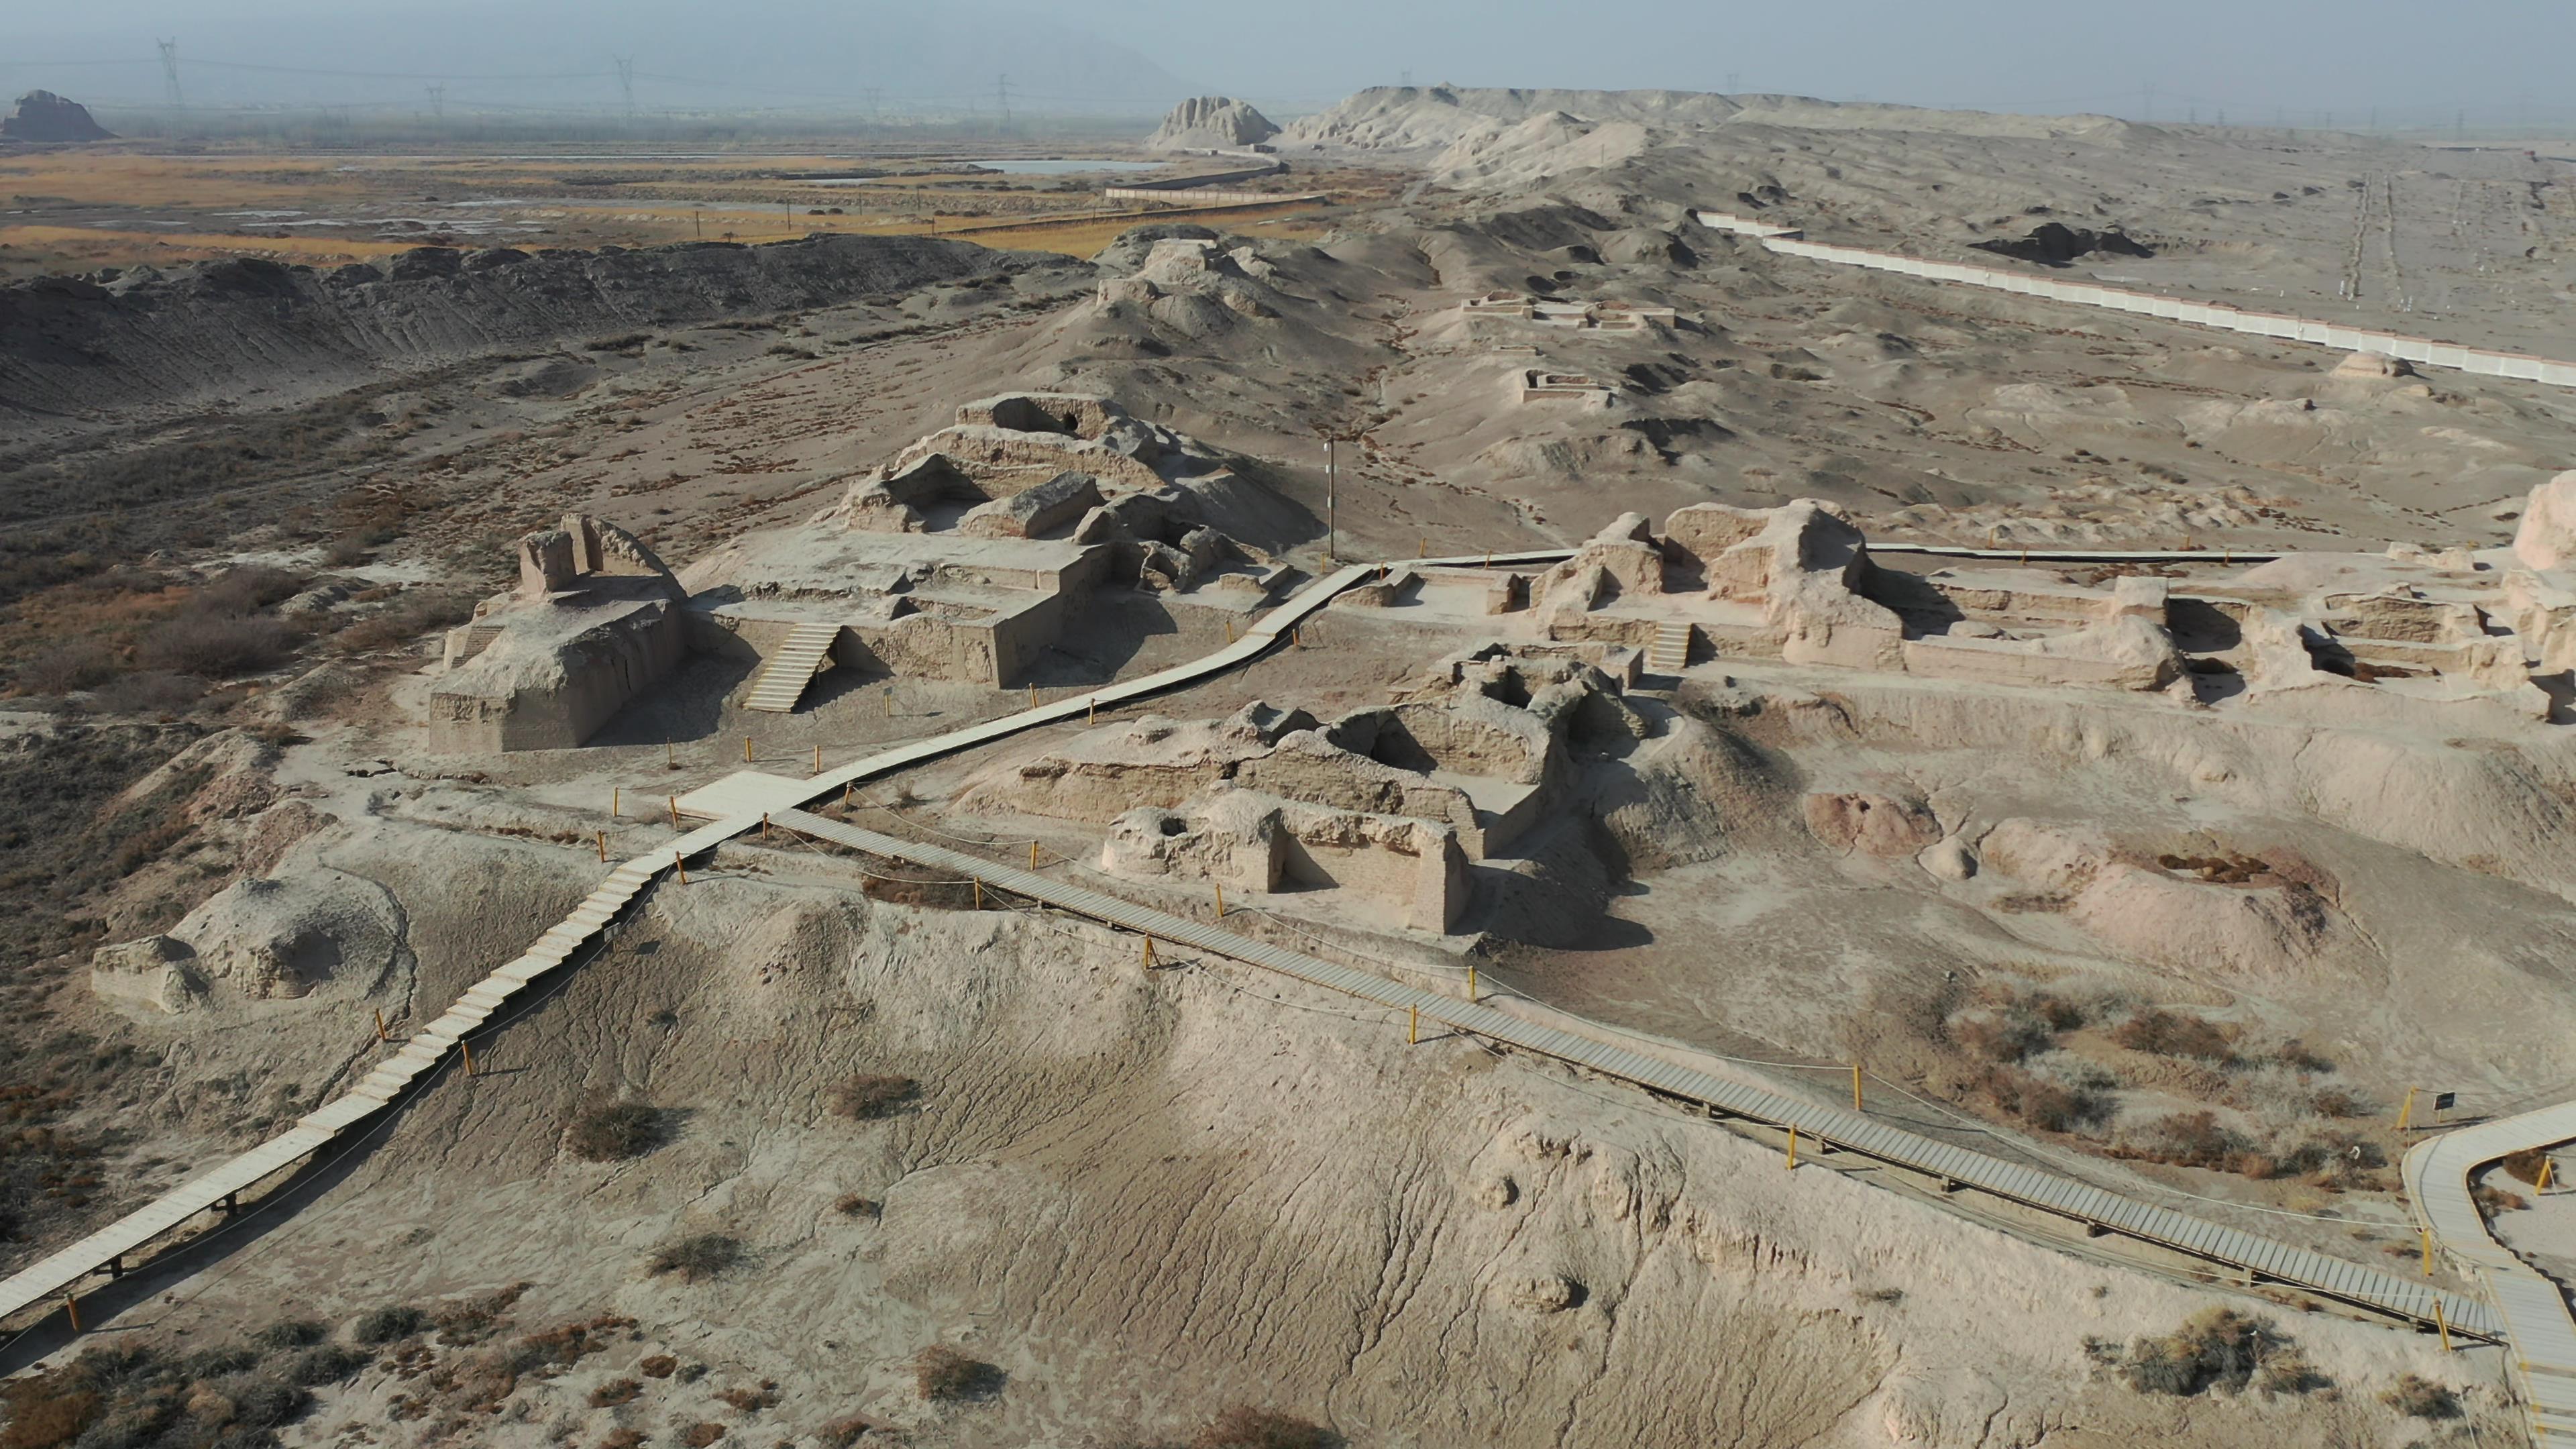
pixel 2218 1348
pixel 327 1364
pixel 943 1374
pixel 697 1258
pixel 2043 1104
pixel 658 1366
pixel 851 1205
pixel 614 1392
pixel 215 646
pixel 66 667
pixel 615 1133
pixel 2526 1164
pixel 2009 1035
pixel 699 1436
pixel 291 1333
pixel 750 1401
pixel 847 1430
pixel 862 1096
pixel 2173 1034
pixel 1244 1427
pixel 155 693
pixel 243 590
pixel 2193 1139
pixel 384 1325
pixel 2419 1397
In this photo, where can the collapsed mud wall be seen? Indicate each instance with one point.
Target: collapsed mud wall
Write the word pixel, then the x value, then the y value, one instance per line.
pixel 68 345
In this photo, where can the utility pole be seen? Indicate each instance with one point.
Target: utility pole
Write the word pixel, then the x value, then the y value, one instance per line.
pixel 170 72
pixel 875 111
pixel 1734 78
pixel 437 102
pixel 626 80
pixel 1002 93
pixel 1332 502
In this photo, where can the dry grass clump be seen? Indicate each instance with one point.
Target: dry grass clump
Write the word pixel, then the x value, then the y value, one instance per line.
pixel 615 1392
pixel 699 1436
pixel 2219 1348
pixel 851 1205
pixel 698 1258
pixel 2047 1105
pixel 862 1097
pixel 233 1396
pixel 407 618
pixel 615 1133
pixel 944 1375
pixel 2525 1166
pixel 1245 1427
pixel 658 1366
pixel 2175 1034
pixel 2418 1397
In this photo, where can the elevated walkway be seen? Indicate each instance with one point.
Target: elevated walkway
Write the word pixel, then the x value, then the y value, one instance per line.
pixel 784 675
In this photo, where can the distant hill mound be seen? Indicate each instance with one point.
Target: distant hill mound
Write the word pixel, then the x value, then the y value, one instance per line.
pixel 44 116
pixel 1430 118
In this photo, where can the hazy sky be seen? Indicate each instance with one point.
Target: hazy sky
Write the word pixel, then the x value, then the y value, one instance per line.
pixel 2417 60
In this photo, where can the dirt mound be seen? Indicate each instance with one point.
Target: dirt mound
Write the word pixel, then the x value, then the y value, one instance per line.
pixel 1204 123
pixel 44 116
pixel 229 327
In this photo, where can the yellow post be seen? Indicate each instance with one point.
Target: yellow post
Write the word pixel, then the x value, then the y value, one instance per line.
pixel 1793 1147
pixel 746 749
pixel 1856 1087
pixel 602 837
pixel 1422 548
pixel 670 756
pixel 1412 1025
pixel 2547 1166
pixel 1033 694
pixel 682 867
pixel 764 825
pixel 1489 558
pixel 1149 953
pixel 616 794
pixel 1294 642
pixel 467 1048
pixel 1033 855
pixel 1471 981
pixel 675 812
pixel 889 699
pixel 71 1307
pixel 1092 714
pixel 2442 1325
pixel 845 794
pixel 1229 631
pixel 818 759
pixel 1220 900
pixel 380 1025
pixel 2406 1113
pixel 2427 1235
pixel 979 892
pixel 1381 573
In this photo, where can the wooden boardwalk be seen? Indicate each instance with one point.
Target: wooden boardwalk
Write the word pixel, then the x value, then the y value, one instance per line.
pixel 2533 1309
pixel 733 805
pixel 740 803
pixel 2263 1259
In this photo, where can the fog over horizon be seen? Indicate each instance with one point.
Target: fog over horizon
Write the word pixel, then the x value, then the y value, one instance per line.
pixel 2304 63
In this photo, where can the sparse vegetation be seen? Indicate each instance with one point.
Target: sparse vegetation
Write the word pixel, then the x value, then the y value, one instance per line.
pixel 851 1205
pixel 618 1132
pixel 697 1258
pixel 862 1097
pixel 658 1366
pixel 2219 1348
pixel 944 1375
pixel 2418 1397
pixel 614 1392
pixel 699 1436
pixel 216 646
pixel 230 1397
pixel 2174 1034
pixel 1245 1427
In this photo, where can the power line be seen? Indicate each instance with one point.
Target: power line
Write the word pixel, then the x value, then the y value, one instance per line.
pixel 626 80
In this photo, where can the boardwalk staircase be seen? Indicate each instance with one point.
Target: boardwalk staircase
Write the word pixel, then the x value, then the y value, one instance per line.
pixel 1670 653
pixel 783 677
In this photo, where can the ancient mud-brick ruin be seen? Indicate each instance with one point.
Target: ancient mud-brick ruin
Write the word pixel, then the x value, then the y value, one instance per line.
pixel 961 560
